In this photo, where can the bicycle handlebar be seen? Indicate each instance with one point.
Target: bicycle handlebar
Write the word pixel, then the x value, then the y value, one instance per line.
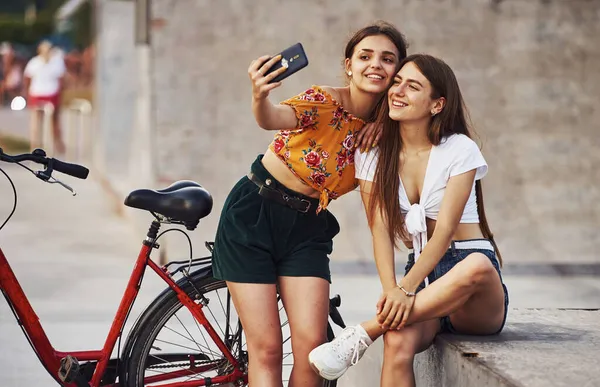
pixel 39 156
pixel 70 169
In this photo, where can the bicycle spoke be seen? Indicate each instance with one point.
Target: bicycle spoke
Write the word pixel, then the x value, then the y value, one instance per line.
pixel 202 334
pixel 224 312
pixel 216 320
pixel 188 332
pixel 207 347
pixel 177 333
pixel 286 355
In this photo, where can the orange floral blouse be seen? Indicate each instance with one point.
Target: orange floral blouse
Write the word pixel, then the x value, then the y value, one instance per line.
pixel 320 150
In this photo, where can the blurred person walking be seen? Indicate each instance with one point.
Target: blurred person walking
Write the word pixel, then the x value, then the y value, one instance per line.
pixel 43 85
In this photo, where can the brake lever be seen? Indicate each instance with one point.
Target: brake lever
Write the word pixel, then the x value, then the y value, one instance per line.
pixel 53 180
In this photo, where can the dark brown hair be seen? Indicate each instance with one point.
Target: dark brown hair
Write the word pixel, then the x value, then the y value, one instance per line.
pixel 378 28
pixel 452 119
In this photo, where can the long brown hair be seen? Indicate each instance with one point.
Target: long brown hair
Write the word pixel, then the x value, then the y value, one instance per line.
pixel 452 119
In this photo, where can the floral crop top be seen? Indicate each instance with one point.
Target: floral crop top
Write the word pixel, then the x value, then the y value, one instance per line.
pixel 320 150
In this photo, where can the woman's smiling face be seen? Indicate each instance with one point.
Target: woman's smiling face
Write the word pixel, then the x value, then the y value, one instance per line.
pixel 373 63
pixel 409 97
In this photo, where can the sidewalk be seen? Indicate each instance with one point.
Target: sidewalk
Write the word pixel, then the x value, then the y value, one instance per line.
pixel 73 256
pixel 14 123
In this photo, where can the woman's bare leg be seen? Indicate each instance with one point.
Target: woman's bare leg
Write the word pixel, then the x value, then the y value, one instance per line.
pixel 471 293
pixel 399 350
pixel 256 305
pixel 306 302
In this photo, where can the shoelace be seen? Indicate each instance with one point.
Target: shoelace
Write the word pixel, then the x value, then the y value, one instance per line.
pixel 354 350
pixel 356 353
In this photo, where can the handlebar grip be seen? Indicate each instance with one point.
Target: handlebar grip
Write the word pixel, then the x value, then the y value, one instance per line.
pixel 74 170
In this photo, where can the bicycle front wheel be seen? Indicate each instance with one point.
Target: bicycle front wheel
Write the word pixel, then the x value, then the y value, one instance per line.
pixel 173 347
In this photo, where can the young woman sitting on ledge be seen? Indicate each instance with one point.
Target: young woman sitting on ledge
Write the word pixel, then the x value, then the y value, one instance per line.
pixel 422 186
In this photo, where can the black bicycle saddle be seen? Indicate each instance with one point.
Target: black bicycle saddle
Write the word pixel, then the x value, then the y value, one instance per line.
pixel 183 201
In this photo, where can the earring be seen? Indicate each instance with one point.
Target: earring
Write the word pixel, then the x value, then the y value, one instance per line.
pixel 349 73
pixel 432 114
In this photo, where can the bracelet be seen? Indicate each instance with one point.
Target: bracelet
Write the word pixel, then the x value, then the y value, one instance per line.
pixel 408 294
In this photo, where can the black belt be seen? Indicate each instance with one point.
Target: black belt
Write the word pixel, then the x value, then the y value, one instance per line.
pixel 294 202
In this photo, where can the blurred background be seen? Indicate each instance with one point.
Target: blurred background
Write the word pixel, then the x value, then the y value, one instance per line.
pixel 66 24
pixel 156 91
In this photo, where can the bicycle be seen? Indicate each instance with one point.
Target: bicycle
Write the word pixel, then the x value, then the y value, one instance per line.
pixel 160 347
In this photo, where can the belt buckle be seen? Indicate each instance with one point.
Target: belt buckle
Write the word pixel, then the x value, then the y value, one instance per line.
pixel 307 206
pixel 287 198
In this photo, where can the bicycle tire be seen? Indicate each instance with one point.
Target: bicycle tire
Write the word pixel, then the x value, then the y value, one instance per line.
pixel 143 362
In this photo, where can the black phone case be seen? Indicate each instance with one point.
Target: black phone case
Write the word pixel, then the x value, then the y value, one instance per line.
pixel 295 58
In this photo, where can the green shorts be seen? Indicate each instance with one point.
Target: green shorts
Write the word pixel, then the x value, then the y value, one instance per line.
pixel 259 240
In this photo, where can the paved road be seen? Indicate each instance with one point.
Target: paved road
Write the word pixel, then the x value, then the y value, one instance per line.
pixel 73 256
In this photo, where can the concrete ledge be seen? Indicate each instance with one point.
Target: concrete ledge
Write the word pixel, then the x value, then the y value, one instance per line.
pixel 538 348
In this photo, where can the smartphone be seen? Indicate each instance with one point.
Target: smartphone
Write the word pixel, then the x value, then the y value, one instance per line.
pixel 293 58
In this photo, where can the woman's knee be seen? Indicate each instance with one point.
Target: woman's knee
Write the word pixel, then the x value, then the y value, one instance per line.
pixel 305 340
pixel 266 351
pixel 476 270
pixel 257 308
pixel 400 346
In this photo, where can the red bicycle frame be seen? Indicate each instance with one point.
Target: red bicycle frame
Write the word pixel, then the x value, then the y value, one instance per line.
pixel 50 358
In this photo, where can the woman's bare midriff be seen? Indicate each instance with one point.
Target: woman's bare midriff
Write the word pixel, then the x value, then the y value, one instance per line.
pixel 463 232
pixel 282 174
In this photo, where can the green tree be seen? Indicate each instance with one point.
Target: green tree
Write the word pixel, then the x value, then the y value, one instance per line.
pixel 82 31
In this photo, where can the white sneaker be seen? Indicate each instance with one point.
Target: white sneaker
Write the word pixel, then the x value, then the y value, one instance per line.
pixel 331 360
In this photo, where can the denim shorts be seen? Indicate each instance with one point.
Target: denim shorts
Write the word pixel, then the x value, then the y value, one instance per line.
pixel 458 251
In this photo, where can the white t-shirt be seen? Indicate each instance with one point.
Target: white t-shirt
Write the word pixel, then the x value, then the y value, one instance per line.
pixel 45 76
pixel 455 155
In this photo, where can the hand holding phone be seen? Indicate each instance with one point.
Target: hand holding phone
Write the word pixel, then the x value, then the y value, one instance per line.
pixel 293 59
pixel 266 72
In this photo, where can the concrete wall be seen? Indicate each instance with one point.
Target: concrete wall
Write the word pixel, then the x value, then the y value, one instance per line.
pixel 528 70
pixel 116 90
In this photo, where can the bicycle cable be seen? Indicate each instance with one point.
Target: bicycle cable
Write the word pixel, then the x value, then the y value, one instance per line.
pixel 12 184
pixel 189 244
pixel 14 195
pixel 186 273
